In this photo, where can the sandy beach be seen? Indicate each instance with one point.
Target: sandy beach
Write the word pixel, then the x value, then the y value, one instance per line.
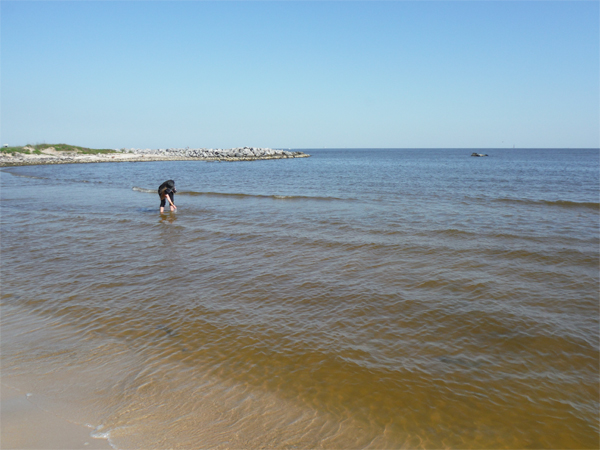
pixel 25 425
pixel 32 416
pixel 21 159
pixel 384 231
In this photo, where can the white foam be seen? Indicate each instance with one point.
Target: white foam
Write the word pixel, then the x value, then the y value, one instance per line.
pixel 96 434
pixel 139 189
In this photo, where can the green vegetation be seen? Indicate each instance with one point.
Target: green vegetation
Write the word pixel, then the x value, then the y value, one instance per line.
pixel 13 150
pixel 38 149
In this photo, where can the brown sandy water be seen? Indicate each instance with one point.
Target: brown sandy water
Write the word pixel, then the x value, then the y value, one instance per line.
pixel 349 300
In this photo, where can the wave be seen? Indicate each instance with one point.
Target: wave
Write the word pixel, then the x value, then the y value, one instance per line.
pixel 274 196
pixel 559 203
pixel 67 180
pixel 82 181
pixel 147 191
pixel 453 232
pixel 25 176
pixel 241 195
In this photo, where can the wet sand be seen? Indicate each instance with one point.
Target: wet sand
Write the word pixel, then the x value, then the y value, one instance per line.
pixel 32 416
pixel 26 425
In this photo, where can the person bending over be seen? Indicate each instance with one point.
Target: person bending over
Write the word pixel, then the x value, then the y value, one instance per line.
pixel 166 192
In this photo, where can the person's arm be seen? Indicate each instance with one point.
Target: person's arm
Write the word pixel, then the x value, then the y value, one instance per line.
pixel 170 201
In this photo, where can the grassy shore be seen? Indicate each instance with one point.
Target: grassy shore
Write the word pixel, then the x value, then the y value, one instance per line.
pixel 59 154
pixel 39 149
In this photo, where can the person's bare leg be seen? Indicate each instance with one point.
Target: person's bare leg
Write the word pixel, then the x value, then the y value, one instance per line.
pixel 162 210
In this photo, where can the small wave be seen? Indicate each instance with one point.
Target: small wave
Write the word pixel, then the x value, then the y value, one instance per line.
pixel 25 176
pixel 559 203
pixel 67 180
pixel 453 232
pixel 147 191
pixel 242 196
pixel 274 196
pixel 82 181
pixel 97 434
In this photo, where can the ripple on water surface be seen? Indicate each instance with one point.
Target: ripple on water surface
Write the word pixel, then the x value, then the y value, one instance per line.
pixel 245 320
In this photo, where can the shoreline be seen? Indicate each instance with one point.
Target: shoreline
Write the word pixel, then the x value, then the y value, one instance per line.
pixel 27 425
pixel 44 406
pixel 51 156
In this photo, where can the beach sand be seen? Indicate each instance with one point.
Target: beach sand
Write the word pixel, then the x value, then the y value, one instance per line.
pixel 43 400
pixel 26 425
pixel 7 159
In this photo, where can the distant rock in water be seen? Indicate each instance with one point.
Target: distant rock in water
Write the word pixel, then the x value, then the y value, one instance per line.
pixel 478 154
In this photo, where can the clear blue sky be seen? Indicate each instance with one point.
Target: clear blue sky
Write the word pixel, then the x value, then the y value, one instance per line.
pixel 478 74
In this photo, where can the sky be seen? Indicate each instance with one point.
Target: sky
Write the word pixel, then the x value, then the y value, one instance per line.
pixel 308 74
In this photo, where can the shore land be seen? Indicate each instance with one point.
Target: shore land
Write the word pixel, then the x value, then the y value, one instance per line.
pixel 27 426
pixel 63 154
pixel 45 405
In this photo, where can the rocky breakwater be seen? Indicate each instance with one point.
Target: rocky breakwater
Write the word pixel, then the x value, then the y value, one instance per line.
pixel 64 154
pixel 232 154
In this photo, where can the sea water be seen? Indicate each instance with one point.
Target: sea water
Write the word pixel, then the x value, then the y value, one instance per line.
pixel 359 298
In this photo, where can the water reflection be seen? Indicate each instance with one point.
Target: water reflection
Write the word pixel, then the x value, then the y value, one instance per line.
pixel 169 217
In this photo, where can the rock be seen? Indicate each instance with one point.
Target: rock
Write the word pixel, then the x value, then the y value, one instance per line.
pixel 51 156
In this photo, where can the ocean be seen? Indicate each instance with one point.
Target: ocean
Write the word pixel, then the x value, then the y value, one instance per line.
pixel 359 298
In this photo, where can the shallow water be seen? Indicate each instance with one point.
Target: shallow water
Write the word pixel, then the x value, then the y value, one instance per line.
pixel 354 299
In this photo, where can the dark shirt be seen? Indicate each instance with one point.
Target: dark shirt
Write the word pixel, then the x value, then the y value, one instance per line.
pixel 164 188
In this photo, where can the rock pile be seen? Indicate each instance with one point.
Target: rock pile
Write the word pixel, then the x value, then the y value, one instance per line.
pixel 52 156
pixel 243 153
